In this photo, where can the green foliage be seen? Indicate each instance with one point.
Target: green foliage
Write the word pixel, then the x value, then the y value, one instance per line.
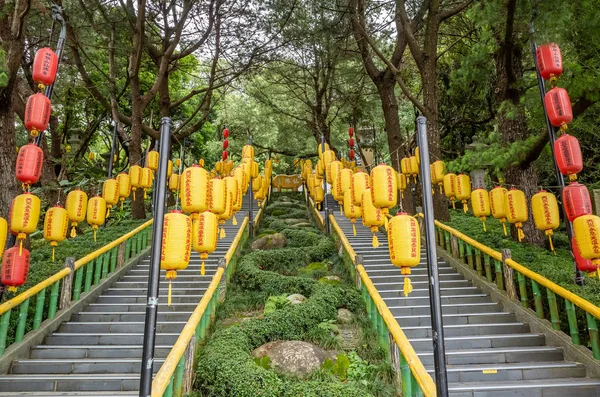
pixel 276 302
pixel 339 368
pixel 314 270
pixel 264 362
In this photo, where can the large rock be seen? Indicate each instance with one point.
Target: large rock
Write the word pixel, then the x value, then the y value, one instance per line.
pixel 296 298
pixel 272 241
pixel 344 316
pixel 296 358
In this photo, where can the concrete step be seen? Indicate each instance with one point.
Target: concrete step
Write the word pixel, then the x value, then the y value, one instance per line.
pixel 481 341
pixel 177 290
pixel 457 319
pixel 107 339
pixel 419 283
pixel 417 292
pixel 162 299
pixel 136 307
pixel 120 327
pixel 496 355
pixel 93 351
pixel 396 277
pixel 80 366
pixel 164 284
pixel 423 331
pixel 557 387
pixel 446 300
pixel 458 308
pixel 130 316
pixel 70 383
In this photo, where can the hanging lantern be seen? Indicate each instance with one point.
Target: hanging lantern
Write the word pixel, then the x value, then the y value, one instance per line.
pixel 92 156
pixel 558 107
pixel 586 229
pixel 225 155
pixel 135 178
pixel 29 164
pixel 193 189
pixel 256 184
pixel 176 245
pixel 205 229
pixel 146 178
pixel 414 167
pixel 15 267
pixel 225 144
pixel 350 131
pixel 351 211
pixel 438 169
pixel 242 177
pixel 178 163
pixel 319 194
pixel 418 155
pixel 480 201
pixel 568 156
pixel 351 142
pixel 169 168
pixel 372 216
pixel 237 202
pixel 351 154
pixel 328 157
pixel 24 216
pixel 405 166
pixel 576 199
pixel 261 193
pixel 401 183
pixel 226 133
pixel 584 265
pixel 37 113
pixel 3 234
pixel 76 205
pixel 321 148
pixel 342 184
pixel 498 205
pixel 545 213
pixel 96 213
pixel 248 152
pixel 463 190
pixel 516 210
pixel 216 196
pixel 319 169
pixel 124 183
pixel 152 160
pixel 174 183
pixel 45 66
pixel 360 183
pixel 227 214
pixel 404 239
pixel 384 188
pixel 110 194
pixel 450 181
pixel 549 61
pixel 333 169
pixel 56 225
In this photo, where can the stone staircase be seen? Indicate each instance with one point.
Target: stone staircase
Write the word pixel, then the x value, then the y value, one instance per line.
pixel 489 353
pixel 98 351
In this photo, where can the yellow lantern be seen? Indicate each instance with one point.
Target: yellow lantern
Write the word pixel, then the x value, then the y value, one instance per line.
pixel 205 229
pixel 463 190
pixel 480 201
pixel 310 183
pixel 341 184
pixel 233 187
pixel 545 213
pixel 401 183
pixel 178 163
pixel 351 211
pixel 228 166
pixel 261 194
pixel 333 170
pixel 587 237
pixel 248 152
pixel 404 244
pixel 498 205
pixel 319 169
pixel 135 177
pixel 516 210
pixel 414 167
pixel 169 168
pixel 124 183
pixel 384 187
pixel 418 155
pixel 360 183
pixel 91 157
pixel 321 148
pixel 319 195
pixel 201 163
pixel 450 187
pixel 216 196
pixel 242 177
pixel 24 216
pixel 193 189
pixel 405 166
pixel 110 193
pixel 174 183
pixel 251 167
pixel 146 178
pixel 372 216
pixel 256 183
pixel 56 224
pixel 176 245
pixel 227 214
pixel 76 205
pixel 152 160
pixel 3 235
pixel 96 213
pixel 328 157
pixel 438 169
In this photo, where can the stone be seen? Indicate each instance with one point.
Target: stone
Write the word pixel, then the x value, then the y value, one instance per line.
pixel 271 241
pixel 294 221
pixel 303 224
pixel 296 299
pixel 350 336
pixel 332 280
pixel 344 316
pixel 295 358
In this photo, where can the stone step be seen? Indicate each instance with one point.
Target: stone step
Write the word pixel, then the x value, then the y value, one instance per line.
pixel 93 351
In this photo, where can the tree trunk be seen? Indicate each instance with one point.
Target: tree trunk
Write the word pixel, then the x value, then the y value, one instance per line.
pixel 8 157
pixel 138 209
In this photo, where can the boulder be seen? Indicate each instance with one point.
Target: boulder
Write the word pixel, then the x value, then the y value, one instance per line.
pixel 332 280
pixel 271 241
pixel 344 316
pixel 295 358
pixel 296 299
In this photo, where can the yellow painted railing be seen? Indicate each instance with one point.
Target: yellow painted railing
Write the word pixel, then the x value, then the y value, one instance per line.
pixel 413 374
pixel 171 379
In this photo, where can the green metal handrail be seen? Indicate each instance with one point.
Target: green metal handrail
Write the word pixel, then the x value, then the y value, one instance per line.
pixel 89 271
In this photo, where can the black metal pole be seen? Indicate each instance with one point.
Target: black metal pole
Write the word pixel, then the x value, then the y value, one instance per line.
pixel 579 280
pixel 437 325
pixel 327 227
pixel 113 148
pixel 154 278
pixel 250 213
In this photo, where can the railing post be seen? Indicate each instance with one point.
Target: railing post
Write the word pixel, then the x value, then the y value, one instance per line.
pixel 509 281
pixel 67 284
pixel 454 246
pixel 358 260
pixel 121 254
pixel 223 283
pixel 188 371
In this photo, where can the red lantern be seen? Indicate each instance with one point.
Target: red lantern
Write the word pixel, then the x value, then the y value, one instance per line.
pixel 584 265
pixel 549 61
pixel 37 113
pixel 568 156
pixel 350 131
pixel 225 154
pixel 558 107
pixel 15 268
pixel 225 144
pixel 576 200
pixel 351 142
pixel 45 66
pixel 226 133
pixel 351 154
pixel 29 164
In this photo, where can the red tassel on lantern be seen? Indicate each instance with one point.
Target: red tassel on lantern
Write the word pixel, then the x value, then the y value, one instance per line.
pixel 568 156
pixel 558 107
pixel 225 144
pixel 45 66
pixel 549 61
pixel 576 199
pixel 37 113
pixel 226 133
pixel 29 164
pixel 15 267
